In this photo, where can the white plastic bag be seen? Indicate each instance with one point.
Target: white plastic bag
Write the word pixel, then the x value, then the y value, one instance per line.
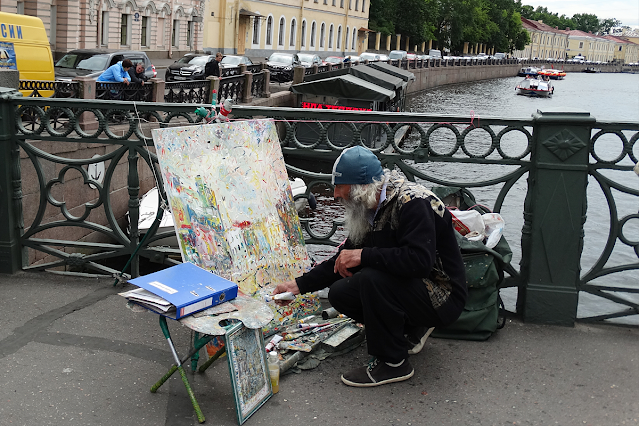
pixel 494 228
pixel 476 227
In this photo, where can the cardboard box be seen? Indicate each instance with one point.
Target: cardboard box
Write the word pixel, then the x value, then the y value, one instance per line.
pixel 182 289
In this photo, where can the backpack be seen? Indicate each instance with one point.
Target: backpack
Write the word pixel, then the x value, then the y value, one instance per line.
pixel 484 275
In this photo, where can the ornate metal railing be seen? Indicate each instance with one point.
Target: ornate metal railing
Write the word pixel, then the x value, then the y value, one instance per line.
pixel 231 88
pixel 53 89
pixel 257 84
pixel 66 208
pixel 196 91
pixel 254 69
pixel 228 72
pixel 323 68
pixel 123 92
pixel 309 71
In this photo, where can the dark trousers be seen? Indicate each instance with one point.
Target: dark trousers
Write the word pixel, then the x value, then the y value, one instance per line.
pixel 388 306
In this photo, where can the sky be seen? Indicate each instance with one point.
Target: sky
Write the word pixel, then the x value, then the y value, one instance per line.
pixel 627 11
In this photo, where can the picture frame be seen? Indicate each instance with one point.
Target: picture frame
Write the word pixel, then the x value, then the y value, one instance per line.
pixel 248 369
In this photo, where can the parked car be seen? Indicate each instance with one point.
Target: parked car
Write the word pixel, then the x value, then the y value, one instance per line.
pixel 383 57
pixel 397 54
pixel 234 61
pixel 435 53
pixel 411 56
pixel 92 62
pixel 499 55
pixel 308 60
pixel 334 59
pixel 188 67
pixel 367 56
pixel 281 66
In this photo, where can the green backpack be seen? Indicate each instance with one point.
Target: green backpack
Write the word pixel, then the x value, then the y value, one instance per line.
pixel 484 275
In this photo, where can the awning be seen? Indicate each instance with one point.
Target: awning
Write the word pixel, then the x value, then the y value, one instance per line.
pixel 365 30
pixel 344 87
pixel 364 72
pixel 392 70
pixel 244 12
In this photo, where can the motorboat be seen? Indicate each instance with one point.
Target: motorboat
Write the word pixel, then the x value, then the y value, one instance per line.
pixel 538 87
pixel 150 201
pixel 553 74
pixel 526 71
pixel 592 70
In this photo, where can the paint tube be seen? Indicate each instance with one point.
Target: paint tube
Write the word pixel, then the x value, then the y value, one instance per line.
pixel 280 296
pixel 274 341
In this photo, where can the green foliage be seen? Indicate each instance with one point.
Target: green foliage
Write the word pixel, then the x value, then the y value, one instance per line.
pixel 586 22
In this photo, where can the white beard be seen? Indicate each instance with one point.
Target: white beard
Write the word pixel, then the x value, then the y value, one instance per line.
pixel 356 221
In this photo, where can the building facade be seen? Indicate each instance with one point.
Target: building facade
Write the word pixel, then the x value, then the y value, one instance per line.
pixel 625 51
pixel 590 46
pixel 257 28
pixel 545 41
pixel 163 29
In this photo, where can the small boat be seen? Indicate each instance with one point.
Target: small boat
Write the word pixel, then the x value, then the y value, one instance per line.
pixel 553 74
pixel 524 72
pixel 535 87
pixel 149 205
pixel 592 70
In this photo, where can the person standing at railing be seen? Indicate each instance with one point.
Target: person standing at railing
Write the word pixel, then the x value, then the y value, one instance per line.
pixel 117 73
pixel 213 67
pixel 137 74
pixel 400 271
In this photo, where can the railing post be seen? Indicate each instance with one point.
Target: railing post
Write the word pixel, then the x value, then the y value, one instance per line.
pixel 315 69
pixel 247 96
pixel 157 94
pixel 87 120
pixel 298 74
pixel 267 83
pixel 554 215
pixel 213 86
pixel 11 221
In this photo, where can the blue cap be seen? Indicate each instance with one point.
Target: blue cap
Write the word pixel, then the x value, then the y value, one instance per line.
pixel 356 166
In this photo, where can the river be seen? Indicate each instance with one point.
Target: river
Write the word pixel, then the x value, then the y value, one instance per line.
pixel 608 97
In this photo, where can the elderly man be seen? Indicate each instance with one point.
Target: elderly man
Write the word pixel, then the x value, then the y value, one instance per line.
pixel 117 73
pixel 137 73
pixel 400 272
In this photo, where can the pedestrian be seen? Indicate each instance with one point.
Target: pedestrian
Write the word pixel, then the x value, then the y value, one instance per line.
pixel 137 73
pixel 213 67
pixel 117 73
pixel 399 272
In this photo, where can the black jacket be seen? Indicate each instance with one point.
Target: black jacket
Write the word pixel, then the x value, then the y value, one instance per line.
pixel 212 68
pixel 135 77
pixel 412 234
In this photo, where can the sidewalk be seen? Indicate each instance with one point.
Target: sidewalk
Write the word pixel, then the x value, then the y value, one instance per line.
pixel 73 354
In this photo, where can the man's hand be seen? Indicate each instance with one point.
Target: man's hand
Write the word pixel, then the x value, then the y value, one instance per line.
pixel 284 287
pixel 126 81
pixel 347 259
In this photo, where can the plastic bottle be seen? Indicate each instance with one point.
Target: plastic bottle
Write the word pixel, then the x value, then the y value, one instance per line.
pixel 274 370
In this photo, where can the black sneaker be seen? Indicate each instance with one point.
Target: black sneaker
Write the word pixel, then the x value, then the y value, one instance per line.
pixel 378 373
pixel 417 342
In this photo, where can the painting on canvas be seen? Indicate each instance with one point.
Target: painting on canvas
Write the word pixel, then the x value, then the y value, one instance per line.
pixel 231 201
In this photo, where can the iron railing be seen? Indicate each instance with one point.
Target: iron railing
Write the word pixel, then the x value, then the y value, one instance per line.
pixel 230 71
pixel 231 88
pixel 52 89
pixel 196 91
pixel 61 216
pixel 123 92
pixel 258 84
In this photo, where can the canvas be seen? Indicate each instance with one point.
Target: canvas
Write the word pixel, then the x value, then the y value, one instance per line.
pixel 231 201
pixel 248 370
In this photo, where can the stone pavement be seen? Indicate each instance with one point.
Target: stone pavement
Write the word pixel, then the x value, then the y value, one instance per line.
pixel 73 354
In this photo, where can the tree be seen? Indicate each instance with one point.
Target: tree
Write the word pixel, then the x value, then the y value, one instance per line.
pixel 586 22
pixel 605 25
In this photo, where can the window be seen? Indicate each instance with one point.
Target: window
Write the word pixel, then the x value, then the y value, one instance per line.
pixel 144 37
pixel 312 34
pixel 104 31
pixel 330 37
pixel 339 36
pixel 53 25
pixel 341 4
pixel 334 4
pixel 322 31
pixel 356 4
pixel 269 30
pixel 326 2
pixel 350 4
pixel 363 7
pixel 581 44
pixel 292 36
pixel 20 6
pixel 175 34
pixel 124 33
pixel 189 33
pixel 354 37
pixel 256 30
pixel 303 43
pixel 280 37
pixel 348 33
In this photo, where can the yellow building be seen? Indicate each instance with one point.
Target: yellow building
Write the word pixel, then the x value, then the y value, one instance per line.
pixel 590 46
pixel 258 28
pixel 546 42
pixel 625 51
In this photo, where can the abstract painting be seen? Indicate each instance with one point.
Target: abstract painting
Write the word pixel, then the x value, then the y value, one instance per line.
pixel 231 201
